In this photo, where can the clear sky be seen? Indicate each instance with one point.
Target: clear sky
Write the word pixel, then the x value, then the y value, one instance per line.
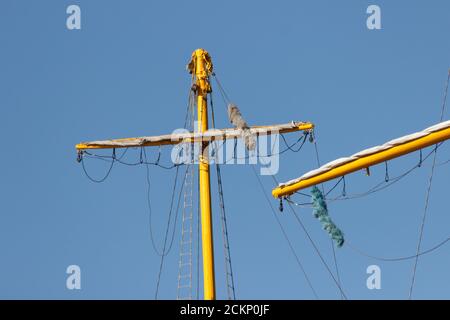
pixel 123 75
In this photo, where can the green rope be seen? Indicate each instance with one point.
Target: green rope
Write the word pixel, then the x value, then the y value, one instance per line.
pixel 320 212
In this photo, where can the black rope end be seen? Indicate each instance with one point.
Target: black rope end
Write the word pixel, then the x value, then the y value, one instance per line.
pixel 79 156
pixel 311 137
pixel 281 205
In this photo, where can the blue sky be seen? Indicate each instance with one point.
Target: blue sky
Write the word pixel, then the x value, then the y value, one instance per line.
pixel 123 75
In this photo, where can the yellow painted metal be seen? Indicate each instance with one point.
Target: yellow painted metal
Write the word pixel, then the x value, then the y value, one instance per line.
pixel 209 135
pixel 202 67
pixel 364 162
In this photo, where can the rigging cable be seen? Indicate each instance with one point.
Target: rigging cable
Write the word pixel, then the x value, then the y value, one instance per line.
pixel 317 250
pixel 226 101
pixel 80 158
pixel 171 206
pixel 192 114
pixel 228 265
pixel 281 226
pixel 334 187
pixel 119 160
pixel 331 240
pixel 440 244
pixel 430 181
pixel 225 98
pixel 168 224
pixel 95 180
pixel 313 243
pixel 285 235
pixel 383 184
pixel 226 242
pixel 143 160
pixel 198 237
pixel 164 252
pixel 221 90
pixel 378 187
pixel 288 148
pixel 443 163
pixel 185 269
pixel 315 247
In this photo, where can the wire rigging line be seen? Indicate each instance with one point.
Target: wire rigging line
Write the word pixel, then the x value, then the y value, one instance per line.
pixel 221 90
pixel 425 210
pixel 336 266
pixel 388 181
pixel 192 113
pixel 226 101
pixel 198 237
pixel 318 162
pixel 285 235
pixel 226 242
pixel 301 139
pixel 383 184
pixel 112 158
pixel 225 98
pixel 143 160
pixel 95 180
pixel 185 269
pixel 403 258
pixel 315 247
pixel 312 241
pixel 164 252
pixel 290 147
pixel 334 187
pixel 317 250
pixel 331 240
pixel 189 111
pixel 81 156
pixel 149 205
pixel 158 252
pixel 227 251
pixel 83 153
pixel 168 225
pixel 189 119
pixel 386 172
pixel 378 187
pixel 443 163
pixel 444 101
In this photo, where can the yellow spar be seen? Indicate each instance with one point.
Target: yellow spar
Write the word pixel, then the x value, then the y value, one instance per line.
pixel 201 68
pixel 369 157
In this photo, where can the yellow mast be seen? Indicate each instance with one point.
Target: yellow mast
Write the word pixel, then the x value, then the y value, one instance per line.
pixel 202 69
